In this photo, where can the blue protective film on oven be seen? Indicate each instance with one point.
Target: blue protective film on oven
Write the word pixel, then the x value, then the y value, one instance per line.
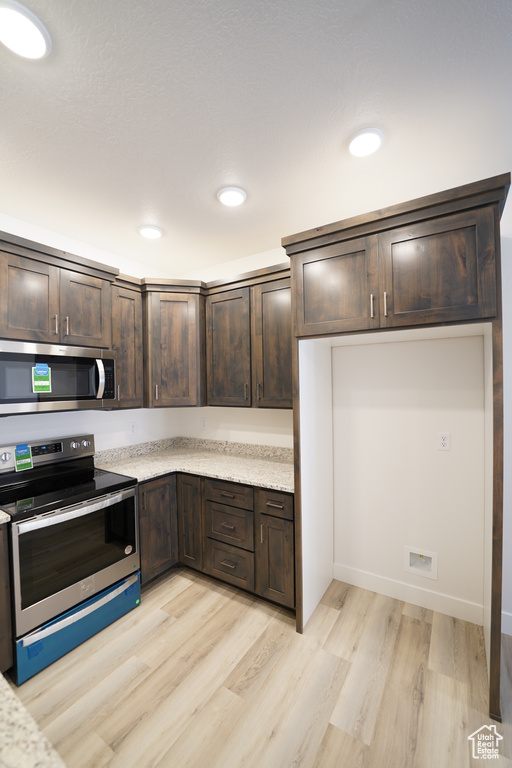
pixel 92 615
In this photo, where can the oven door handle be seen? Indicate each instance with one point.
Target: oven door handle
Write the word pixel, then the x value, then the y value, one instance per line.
pixel 70 513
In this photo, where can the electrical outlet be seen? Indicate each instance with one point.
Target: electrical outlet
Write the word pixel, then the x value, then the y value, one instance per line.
pixel 444 441
pixel 132 428
pixel 204 423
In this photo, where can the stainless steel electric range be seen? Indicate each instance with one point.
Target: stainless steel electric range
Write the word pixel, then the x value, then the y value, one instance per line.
pixel 74 546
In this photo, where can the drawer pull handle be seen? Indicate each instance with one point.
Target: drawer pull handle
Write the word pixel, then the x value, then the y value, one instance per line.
pixel 275 505
pixel 227 495
pixel 228 526
pixel 261 534
pixel 228 564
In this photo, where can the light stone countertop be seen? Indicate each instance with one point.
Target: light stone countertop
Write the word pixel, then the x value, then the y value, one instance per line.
pixel 22 744
pixel 4 517
pixel 260 466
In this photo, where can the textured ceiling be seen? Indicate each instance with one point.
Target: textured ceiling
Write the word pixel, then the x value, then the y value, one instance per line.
pixel 145 108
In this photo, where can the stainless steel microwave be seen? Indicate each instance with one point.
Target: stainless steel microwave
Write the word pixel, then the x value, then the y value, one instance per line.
pixel 47 377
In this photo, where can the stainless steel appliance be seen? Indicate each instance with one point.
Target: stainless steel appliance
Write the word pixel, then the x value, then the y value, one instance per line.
pixel 74 542
pixel 47 377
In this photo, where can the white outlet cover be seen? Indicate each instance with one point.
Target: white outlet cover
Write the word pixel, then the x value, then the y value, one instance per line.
pixel 444 441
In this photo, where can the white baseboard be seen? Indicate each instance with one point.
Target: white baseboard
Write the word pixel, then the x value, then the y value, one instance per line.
pixel 426 598
pixel 506 623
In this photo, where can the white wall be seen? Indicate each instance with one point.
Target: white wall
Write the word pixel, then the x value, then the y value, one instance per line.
pixel 506 249
pixel 393 487
pixel 258 426
pixel 316 471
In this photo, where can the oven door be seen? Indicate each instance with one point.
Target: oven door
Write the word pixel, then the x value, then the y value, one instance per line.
pixel 66 556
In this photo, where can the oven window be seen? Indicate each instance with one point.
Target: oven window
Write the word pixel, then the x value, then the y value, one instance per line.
pixel 58 556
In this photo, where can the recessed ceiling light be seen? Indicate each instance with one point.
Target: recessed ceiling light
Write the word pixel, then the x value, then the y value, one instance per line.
pixel 150 232
pixel 232 196
pixel 22 32
pixel 365 142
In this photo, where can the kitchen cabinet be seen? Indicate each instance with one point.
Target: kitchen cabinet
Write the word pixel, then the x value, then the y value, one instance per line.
pixel 271 344
pixel 274 548
pixel 249 345
pixel 158 526
pixel 45 303
pixel 229 531
pixel 438 270
pixel 127 346
pixel 228 348
pixel 190 526
pixel 6 639
pixel 174 365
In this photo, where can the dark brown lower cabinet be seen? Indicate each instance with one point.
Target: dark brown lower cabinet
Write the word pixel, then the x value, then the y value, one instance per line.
pixel 190 521
pixel 158 526
pixel 5 603
pixel 274 547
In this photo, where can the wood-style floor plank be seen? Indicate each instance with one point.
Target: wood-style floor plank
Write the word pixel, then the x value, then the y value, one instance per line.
pixel 202 674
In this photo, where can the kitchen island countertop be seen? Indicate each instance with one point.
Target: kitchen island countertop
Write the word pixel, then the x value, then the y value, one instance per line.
pixel 22 744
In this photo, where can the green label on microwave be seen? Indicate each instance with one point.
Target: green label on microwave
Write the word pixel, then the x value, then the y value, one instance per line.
pixel 41 378
pixel 22 457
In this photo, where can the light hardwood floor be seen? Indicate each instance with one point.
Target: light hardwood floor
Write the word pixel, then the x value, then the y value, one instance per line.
pixel 204 676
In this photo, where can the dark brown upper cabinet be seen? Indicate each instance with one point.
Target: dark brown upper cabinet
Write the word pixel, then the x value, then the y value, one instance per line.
pixel 174 358
pixel 127 346
pixel 228 348
pixel 429 261
pixel 45 303
pixel 271 344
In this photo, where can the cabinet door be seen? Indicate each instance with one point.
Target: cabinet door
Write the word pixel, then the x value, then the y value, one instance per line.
pixel 5 603
pixel 127 345
pixel 271 344
pixel 335 288
pixel 439 271
pixel 190 521
pixel 158 526
pixel 85 305
pixel 228 348
pixel 29 309
pixel 274 550
pixel 176 349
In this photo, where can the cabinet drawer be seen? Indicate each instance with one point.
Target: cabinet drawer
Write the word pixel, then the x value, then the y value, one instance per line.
pixel 229 493
pixel 274 503
pixel 229 524
pixel 236 566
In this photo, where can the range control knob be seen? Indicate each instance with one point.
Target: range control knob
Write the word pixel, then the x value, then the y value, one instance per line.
pixel 75 445
pixel 6 456
pixel 86 443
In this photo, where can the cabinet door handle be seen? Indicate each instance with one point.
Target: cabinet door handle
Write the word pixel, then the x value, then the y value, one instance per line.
pixel 246 391
pixel 67 326
pixel 228 526
pixel 261 534
pixel 227 495
pixel 258 388
pixel 118 393
pixel 275 505
pixel 56 324
pixel 156 391
pixel 144 500
pixel 228 564
pixel 385 304
pixel 372 305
